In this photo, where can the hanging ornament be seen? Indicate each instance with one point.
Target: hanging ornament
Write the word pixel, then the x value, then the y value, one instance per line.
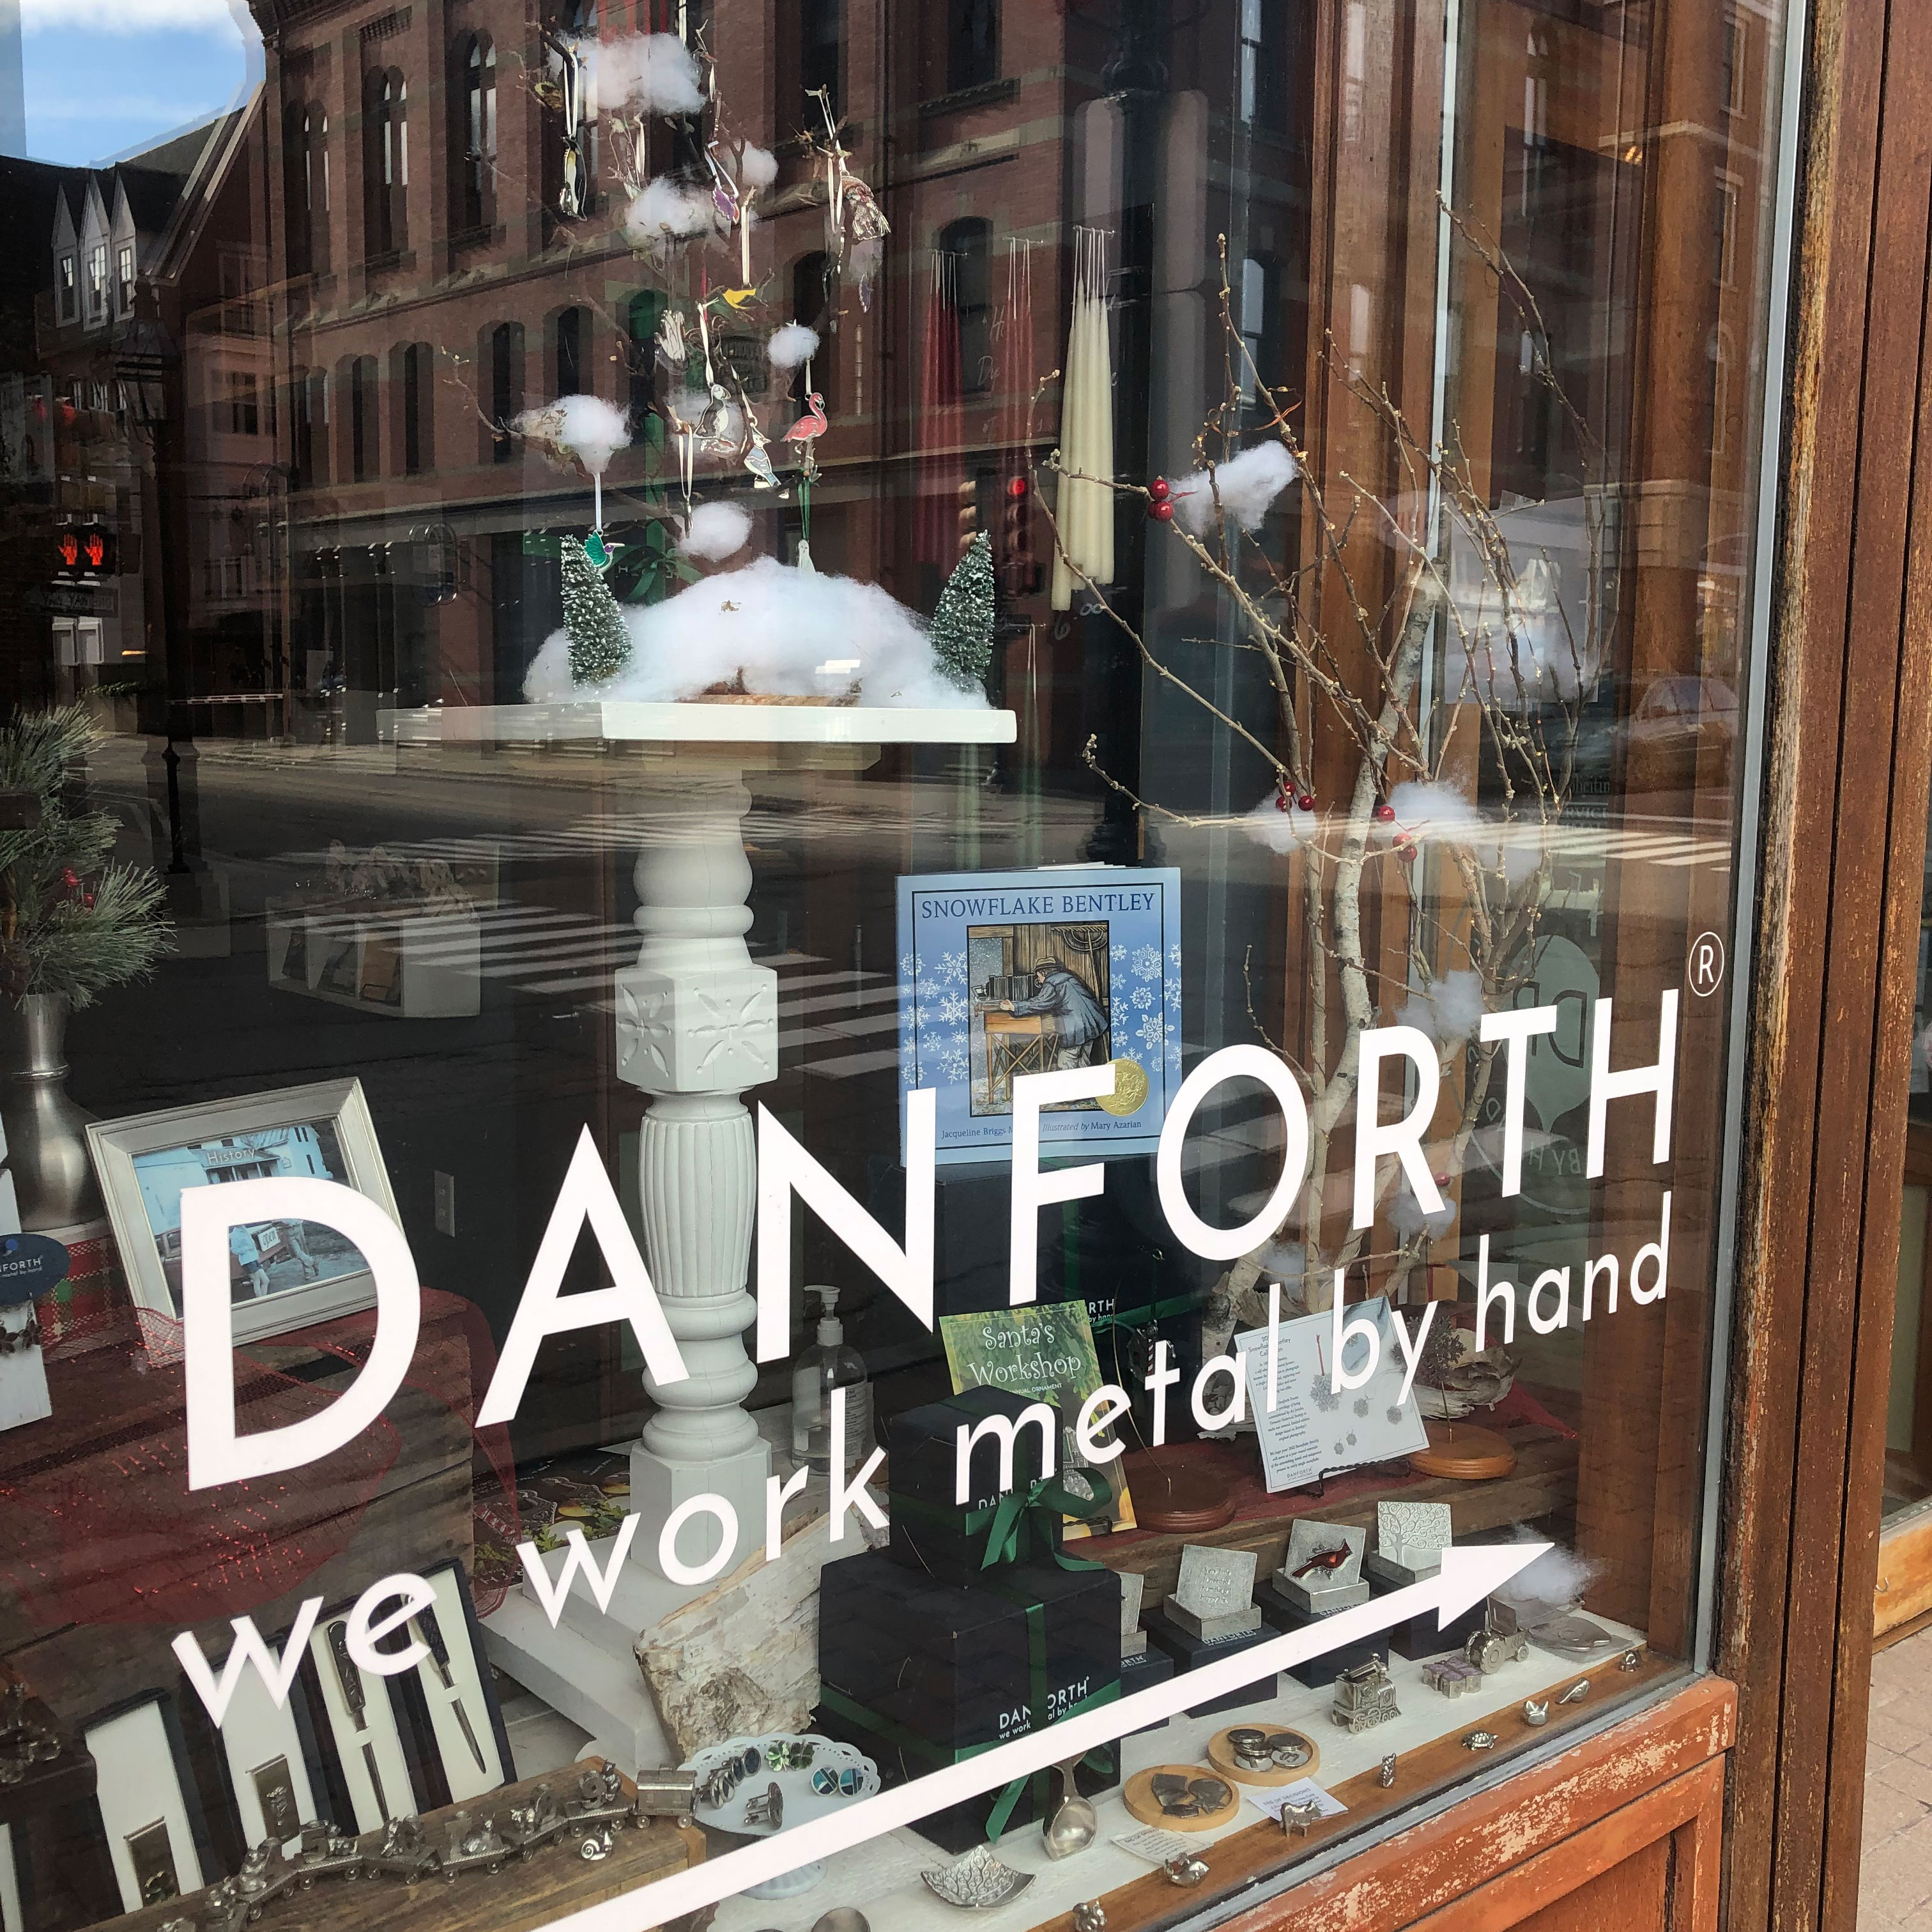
pixel 962 625
pixel 570 87
pixel 597 549
pixel 758 458
pixel 600 645
pixel 806 567
pixel 671 347
pixel 806 431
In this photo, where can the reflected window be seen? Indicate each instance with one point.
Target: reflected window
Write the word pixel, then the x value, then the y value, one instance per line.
pixel 365 450
pixel 474 169
pixel 571 328
pixel 973 43
pixel 822 31
pixel 506 385
pixel 385 137
pixel 969 243
pixel 418 362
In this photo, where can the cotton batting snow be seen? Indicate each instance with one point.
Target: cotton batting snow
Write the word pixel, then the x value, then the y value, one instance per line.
pixel 716 530
pixel 1407 1217
pixel 1246 485
pixel 1557 1578
pixel 1449 1010
pixel 648 73
pixel 585 427
pixel 757 167
pixel 793 344
pixel 778 626
pixel 667 209
pixel 1280 831
pixel 1425 810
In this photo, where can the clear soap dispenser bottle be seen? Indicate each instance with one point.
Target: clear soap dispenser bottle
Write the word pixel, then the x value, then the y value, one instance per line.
pixel 828 1364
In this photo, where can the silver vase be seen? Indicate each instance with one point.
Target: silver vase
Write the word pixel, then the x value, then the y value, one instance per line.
pixel 46 1139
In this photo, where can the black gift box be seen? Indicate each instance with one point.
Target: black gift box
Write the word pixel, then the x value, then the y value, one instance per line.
pixel 1143 1673
pixel 1418 1637
pixel 1190 1652
pixel 933 1532
pixel 918 1673
pixel 955 1665
pixel 1318 1671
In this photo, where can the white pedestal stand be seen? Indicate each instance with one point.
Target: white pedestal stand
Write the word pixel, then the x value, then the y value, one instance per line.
pixel 696 1028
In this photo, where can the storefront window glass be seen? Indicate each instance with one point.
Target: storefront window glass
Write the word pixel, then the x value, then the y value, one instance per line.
pixel 865 904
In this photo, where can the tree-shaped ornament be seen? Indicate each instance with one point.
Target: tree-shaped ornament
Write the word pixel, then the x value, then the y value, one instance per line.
pixel 600 646
pixel 962 625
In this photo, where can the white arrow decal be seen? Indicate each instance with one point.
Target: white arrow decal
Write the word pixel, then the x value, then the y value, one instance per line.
pixel 1467 1576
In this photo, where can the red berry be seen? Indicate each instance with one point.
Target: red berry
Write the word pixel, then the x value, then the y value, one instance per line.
pixel 87 900
pixel 1305 800
pixel 1016 488
pixel 1385 814
pixel 69 877
pixel 1281 801
pixel 1405 853
pixel 1160 489
pixel 1161 512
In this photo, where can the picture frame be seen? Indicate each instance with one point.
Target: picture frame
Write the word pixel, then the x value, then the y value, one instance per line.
pixel 1005 974
pixel 284 1275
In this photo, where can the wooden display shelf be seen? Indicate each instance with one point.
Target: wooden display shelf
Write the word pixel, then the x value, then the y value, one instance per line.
pixel 1542 1484
pixel 1261 1852
pixel 521 1897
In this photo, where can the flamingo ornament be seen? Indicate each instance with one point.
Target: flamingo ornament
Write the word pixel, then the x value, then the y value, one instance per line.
pixel 812 425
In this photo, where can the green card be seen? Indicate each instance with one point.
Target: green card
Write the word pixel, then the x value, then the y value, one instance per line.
pixel 1046 1350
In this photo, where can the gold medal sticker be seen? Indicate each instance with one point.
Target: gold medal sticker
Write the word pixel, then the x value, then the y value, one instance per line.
pixel 1130 1088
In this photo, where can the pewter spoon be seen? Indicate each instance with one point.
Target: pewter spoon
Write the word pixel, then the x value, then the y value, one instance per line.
pixel 1074 1824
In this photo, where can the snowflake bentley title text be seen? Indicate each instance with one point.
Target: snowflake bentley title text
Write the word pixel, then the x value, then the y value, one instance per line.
pixel 1395 1056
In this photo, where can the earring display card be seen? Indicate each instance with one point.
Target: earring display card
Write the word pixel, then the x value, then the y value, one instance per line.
pixel 456 1686
pixel 144 1809
pixel 362 1728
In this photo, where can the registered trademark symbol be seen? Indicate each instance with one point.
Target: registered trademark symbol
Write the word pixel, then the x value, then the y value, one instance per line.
pixel 1706 970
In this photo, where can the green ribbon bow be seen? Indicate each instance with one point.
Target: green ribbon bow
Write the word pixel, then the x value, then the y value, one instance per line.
pixel 1043 1501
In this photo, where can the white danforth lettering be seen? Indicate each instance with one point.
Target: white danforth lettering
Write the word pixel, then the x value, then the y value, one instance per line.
pixel 785 1168
pixel 1659 1078
pixel 1005 1431
pixel 1161 1377
pixel 1340 1380
pixel 544 1310
pixel 410 1594
pixel 1402 1138
pixel 1033 1190
pixel 1205 1419
pixel 1232 1063
pixel 215 1453
pixel 852 1495
pixel 1412 1351
pixel 554 1593
pixel 1516 1030
pixel 1101 1411
pixel 719 1509
pixel 277 1671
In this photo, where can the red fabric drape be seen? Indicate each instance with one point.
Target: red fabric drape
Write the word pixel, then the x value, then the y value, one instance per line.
pixel 98 1526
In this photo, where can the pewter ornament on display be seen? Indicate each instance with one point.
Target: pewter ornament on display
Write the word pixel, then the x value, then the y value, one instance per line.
pixel 1452 1674
pixel 1089 1917
pixel 1184 1870
pixel 1479 1740
pixel 1133 1589
pixel 976 1882
pixel 1572 1637
pixel 1534 1713
pixel 1215 1583
pixel 1298 1820
pixel 1414 1534
pixel 1074 1824
pixel 765 1808
pixel 1631 1659
pixel 842 1918
pixel 1576 1692
pixel 1385 1776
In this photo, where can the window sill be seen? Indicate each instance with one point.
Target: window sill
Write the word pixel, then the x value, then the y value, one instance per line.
pixel 465 238
pixel 987 93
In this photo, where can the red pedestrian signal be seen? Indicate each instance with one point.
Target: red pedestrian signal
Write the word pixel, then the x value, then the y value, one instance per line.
pixel 85 549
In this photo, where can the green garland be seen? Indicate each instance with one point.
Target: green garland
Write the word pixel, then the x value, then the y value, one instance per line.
pixel 71 922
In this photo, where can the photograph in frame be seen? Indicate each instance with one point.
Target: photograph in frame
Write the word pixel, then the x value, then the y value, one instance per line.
pixel 282 1274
